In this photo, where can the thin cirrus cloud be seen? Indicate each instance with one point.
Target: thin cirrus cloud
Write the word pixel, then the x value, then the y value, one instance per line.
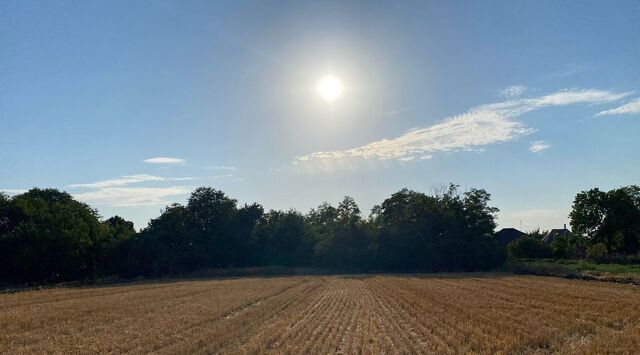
pixel 132 196
pixel 480 126
pixel 12 192
pixel 165 160
pixel 629 108
pixel 539 146
pixel 128 179
pixel 227 178
pixel 117 193
pixel 513 91
pixel 220 167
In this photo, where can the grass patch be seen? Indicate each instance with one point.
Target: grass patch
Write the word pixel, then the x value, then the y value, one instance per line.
pixel 578 269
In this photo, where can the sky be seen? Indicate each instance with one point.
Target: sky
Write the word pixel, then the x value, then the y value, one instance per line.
pixel 130 105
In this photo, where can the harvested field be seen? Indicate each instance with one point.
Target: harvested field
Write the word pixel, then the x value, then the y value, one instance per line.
pixel 458 313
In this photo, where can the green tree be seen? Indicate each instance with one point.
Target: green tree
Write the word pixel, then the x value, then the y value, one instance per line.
pixel 48 236
pixel 168 245
pixel 432 233
pixel 611 218
pixel 281 240
pixel 247 217
pixel 211 216
pixel 111 251
pixel 341 240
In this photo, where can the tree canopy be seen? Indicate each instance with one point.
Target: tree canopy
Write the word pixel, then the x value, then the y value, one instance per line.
pixel 45 235
pixel 611 218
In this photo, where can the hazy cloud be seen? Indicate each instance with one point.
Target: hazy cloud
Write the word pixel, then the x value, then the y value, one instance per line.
pixel 164 160
pixel 409 158
pixel 12 192
pixel 539 146
pixel 569 70
pixel 632 107
pixel 513 91
pixel 117 193
pixel 227 178
pixel 480 126
pixel 132 196
pixel 221 167
pixel 126 180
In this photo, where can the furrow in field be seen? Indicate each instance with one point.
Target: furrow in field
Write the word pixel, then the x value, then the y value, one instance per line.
pixel 429 330
pixel 435 314
pixel 208 316
pixel 537 336
pixel 124 323
pixel 230 332
pixel 473 323
pixel 271 334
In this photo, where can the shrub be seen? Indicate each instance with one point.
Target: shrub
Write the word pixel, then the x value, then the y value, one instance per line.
pixel 561 248
pixel 528 247
pixel 597 251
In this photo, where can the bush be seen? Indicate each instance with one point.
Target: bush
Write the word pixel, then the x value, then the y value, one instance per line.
pixel 528 247
pixel 597 252
pixel 561 248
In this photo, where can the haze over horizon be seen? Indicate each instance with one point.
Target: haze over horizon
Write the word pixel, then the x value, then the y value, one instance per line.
pixel 131 105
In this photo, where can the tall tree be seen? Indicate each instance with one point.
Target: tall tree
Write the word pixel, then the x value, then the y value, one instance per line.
pixel 280 239
pixel 612 218
pixel 49 236
pixel 247 217
pixel 211 213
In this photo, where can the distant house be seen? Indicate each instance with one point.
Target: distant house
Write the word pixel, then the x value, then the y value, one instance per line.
pixel 507 235
pixel 555 234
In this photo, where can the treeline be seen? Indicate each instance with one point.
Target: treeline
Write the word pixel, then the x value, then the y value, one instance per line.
pixel 607 223
pixel 605 228
pixel 47 236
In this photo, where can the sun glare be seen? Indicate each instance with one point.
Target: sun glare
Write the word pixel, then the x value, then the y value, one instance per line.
pixel 330 88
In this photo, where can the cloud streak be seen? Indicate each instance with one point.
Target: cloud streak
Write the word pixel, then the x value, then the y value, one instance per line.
pixel 513 91
pixel 132 196
pixel 126 180
pixel 165 160
pixel 117 192
pixel 629 108
pixel 480 126
pixel 220 167
pixel 539 146
pixel 12 192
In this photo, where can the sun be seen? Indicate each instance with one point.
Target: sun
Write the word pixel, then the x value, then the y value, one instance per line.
pixel 330 88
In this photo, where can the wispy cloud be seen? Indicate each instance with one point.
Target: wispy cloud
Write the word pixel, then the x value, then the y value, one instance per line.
pixel 117 192
pixel 569 70
pixel 632 107
pixel 472 129
pixel 12 192
pixel 393 113
pixel 128 179
pixel 513 91
pixel 480 126
pixel 227 178
pixel 164 160
pixel 220 167
pixel 132 196
pixel 539 146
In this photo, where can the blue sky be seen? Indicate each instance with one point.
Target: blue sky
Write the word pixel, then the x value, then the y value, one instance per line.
pixel 532 100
